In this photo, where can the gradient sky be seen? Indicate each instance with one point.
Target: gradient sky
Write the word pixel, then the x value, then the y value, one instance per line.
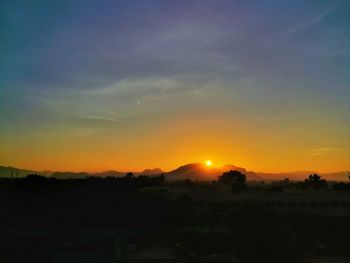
pixel 128 85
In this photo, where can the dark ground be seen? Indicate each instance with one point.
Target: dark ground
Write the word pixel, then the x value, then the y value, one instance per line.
pixel 105 220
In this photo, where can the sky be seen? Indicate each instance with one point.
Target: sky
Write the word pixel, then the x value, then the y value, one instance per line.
pixel 127 85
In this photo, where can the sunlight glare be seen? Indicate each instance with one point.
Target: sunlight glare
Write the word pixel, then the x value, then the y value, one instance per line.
pixel 208 163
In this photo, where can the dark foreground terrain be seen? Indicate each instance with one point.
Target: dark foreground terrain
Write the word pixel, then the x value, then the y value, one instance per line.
pixel 146 219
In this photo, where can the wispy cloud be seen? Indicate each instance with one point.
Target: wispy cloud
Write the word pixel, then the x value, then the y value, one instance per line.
pixel 321 151
pixel 99 118
pixel 309 22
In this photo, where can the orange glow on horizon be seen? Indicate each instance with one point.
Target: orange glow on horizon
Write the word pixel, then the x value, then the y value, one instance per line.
pixel 193 140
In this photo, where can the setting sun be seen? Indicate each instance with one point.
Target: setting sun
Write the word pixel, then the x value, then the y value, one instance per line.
pixel 208 163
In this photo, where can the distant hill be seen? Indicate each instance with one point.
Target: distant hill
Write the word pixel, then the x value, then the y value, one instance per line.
pixel 302 175
pixel 110 173
pixel 193 171
pixel 14 172
pixel 113 173
pixel 297 175
pixel 338 176
pixel 198 171
pixel 150 172
pixel 68 175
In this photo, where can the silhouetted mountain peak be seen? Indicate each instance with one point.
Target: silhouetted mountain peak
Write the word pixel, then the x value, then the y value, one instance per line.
pixel 193 171
pixel 199 171
pixel 190 166
pixel 109 173
pixel 154 171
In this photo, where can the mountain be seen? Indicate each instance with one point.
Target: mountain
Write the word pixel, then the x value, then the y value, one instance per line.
pixel 113 173
pixel 14 172
pixel 198 171
pixel 151 172
pixel 110 173
pixel 296 176
pixel 193 171
pixel 69 175
pixel 302 175
pixel 338 176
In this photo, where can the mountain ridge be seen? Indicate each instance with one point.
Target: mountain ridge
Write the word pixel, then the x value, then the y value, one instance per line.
pixel 198 171
pixel 193 171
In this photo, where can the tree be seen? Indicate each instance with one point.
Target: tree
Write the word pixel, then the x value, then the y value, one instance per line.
pixel 235 179
pixel 315 181
pixel 129 176
pixel 35 178
pixel 161 178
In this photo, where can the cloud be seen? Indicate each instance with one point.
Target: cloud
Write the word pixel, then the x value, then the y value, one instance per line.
pixel 321 151
pixel 99 118
pixel 309 22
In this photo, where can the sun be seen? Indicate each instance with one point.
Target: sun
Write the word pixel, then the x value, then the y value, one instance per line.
pixel 208 163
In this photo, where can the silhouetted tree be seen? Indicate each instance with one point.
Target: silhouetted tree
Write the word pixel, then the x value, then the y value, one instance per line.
pixel 161 178
pixel 35 177
pixel 235 179
pixel 315 181
pixel 129 176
